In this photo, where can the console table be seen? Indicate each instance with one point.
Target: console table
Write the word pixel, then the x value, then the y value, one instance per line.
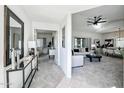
pixel 51 52
pixel 23 76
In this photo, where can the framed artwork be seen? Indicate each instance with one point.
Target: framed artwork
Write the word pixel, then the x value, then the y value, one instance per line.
pixel 97 43
pixel 63 37
pixel 109 43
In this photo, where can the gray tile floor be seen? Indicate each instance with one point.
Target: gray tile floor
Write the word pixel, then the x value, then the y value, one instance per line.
pixel 105 74
pixel 49 74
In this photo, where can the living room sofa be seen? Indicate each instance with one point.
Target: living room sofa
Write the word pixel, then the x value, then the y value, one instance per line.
pixel 77 60
pixel 112 52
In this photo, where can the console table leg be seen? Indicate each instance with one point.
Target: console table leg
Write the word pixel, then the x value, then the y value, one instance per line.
pixel 90 59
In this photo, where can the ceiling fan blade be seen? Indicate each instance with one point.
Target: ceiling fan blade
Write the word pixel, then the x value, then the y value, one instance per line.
pixel 90 22
pixel 102 21
pixel 98 19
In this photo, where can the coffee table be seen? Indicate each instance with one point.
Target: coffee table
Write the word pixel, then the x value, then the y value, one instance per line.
pixel 94 56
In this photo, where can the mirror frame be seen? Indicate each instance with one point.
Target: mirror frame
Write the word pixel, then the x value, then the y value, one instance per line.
pixel 7 14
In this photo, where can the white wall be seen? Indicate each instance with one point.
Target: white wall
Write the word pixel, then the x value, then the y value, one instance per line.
pixel 1 45
pixel 69 45
pixel 27 36
pixel 65 54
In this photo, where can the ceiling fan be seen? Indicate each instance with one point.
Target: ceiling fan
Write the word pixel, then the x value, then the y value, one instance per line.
pixel 95 20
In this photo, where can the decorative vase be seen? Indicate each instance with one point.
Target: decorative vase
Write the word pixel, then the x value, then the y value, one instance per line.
pixel 13 59
pixel 18 58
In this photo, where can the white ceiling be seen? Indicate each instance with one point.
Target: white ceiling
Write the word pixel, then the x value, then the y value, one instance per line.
pixel 52 13
pixel 114 15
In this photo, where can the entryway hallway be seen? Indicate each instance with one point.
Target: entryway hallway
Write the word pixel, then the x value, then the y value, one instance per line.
pixel 49 74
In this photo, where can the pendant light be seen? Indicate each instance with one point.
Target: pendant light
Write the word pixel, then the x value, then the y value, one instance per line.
pixel 119 34
pixel 119 37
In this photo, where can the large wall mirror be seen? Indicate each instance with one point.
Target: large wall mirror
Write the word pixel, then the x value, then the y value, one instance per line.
pixel 14 35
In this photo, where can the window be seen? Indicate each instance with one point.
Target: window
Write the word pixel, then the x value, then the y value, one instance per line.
pixel 120 42
pixel 81 42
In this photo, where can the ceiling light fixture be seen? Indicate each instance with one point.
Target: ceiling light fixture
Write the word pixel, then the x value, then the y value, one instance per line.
pixel 96 20
pixel 98 26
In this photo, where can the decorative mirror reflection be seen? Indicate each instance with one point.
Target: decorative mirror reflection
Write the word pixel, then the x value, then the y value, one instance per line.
pixel 14 36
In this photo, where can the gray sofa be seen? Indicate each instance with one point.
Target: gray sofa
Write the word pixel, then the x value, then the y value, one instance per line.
pixel 112 52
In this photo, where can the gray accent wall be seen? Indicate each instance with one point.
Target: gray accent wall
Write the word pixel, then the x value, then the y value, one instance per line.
pixel 84 34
